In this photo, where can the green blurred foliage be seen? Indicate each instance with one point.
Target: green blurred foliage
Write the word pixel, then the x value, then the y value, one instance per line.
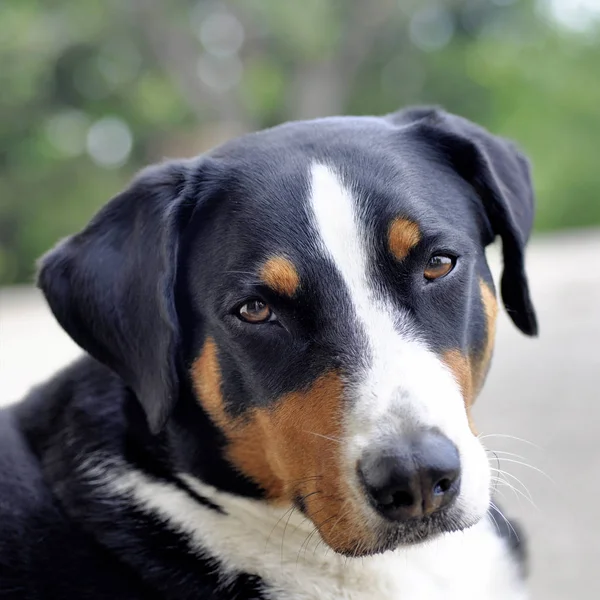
pixel 92 91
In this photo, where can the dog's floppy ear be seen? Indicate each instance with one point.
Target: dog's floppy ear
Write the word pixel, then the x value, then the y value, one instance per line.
pixel 111 286
pixel 500 175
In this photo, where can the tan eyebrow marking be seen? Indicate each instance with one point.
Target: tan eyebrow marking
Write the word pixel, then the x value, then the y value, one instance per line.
pixel 280 274
pixel 403 236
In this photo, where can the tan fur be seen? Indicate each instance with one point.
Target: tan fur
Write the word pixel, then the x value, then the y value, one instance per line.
pixel 403 236
pixel 244 451
pixel 461 367
pixel 470 371
pixel 291 449
pixel 281 275
pixel 490 306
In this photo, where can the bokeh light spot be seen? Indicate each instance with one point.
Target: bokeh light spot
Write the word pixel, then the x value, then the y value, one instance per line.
pixel 109 142
pixel 431 28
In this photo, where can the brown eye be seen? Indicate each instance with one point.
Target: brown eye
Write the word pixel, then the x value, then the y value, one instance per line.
pixel 255 311
pixel 438 266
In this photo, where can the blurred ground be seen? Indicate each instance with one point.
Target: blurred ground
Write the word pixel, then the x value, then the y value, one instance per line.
pixel 544 391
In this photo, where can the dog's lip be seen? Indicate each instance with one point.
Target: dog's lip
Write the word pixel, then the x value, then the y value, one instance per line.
pixel 390 535
pixel 394 540
pixel 413 532
pixel 422 529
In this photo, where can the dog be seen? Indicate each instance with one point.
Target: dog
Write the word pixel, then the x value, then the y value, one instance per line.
pixel 283 342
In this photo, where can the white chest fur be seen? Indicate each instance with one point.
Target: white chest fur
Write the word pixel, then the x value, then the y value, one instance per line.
pixel 282 548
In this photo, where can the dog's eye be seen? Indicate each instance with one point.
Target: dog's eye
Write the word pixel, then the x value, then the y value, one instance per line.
pixel 255 311
pixel 439 265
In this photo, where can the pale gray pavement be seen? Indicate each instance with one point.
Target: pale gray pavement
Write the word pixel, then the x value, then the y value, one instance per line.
pixel 544 390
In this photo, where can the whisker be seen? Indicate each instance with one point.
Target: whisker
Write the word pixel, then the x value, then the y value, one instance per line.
pixel 313 533
pixel 302 545
pixel 324 436
pixel 505 520
pixel 525 488
pixel 497 460
pixel 283 534
pixel 494 521
pixel 306 542
pixel 518 493
pixel 499 482
pixel 321 541
pixel 496 452
pixel 504 435
pixel 524 464
pixel 515 478
pixel 307 518
pixel 289 510
pixel 342 514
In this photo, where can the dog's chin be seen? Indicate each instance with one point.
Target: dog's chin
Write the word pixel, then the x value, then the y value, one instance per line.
pixel 394 536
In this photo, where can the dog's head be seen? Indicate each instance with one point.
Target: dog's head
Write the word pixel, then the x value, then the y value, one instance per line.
pixel 309 313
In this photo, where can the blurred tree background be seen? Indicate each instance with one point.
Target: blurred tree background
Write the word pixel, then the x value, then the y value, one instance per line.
pixel 93 90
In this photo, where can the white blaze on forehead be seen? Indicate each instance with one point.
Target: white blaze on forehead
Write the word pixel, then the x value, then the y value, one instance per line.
pixel 345 240
pixel 341 233
pixel 405 385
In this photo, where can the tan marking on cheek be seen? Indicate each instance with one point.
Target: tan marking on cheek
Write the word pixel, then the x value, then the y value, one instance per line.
pixel 305 448
pixel 206 375
pixel 281 275
pixel 299 432
pixel 490 306
pixel 470 371
pixel 461 366
pixel 292 449
pixel 403 236
pixel 244 448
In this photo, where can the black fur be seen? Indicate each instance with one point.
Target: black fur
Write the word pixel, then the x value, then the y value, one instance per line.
pixel 163 265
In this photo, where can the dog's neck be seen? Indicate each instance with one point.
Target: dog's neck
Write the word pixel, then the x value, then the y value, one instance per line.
pixel 284 549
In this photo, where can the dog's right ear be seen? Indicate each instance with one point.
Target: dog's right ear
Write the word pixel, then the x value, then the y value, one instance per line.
pixel 111 286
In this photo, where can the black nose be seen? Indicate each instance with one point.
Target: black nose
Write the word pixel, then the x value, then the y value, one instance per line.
pixel 413 477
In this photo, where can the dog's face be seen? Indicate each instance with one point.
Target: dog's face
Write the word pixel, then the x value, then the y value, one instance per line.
pixel 324 296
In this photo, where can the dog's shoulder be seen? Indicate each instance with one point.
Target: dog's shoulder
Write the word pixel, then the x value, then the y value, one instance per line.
pixel 44 553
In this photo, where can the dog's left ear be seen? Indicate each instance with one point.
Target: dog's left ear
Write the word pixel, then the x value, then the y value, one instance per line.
pixel 499 173
pixel 111 286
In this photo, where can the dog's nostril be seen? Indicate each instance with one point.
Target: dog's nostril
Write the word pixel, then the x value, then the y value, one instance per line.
pixel 442 486
pixel 396 499
pixel 402 499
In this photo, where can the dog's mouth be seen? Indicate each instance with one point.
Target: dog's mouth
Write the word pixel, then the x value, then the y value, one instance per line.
pixel 351 529
pixel 420 530
pixel 352 543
